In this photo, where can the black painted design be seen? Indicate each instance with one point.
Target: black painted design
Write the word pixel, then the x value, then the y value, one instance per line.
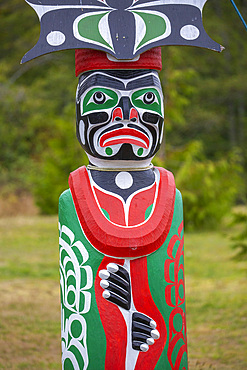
pixel 106 180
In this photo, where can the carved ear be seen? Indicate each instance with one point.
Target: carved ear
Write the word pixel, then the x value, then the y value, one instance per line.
pixel 123 31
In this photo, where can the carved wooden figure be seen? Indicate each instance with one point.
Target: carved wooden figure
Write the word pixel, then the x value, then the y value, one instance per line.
pixel 121 228
pixel 121 220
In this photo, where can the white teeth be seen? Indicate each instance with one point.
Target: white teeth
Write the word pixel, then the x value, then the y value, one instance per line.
pixel 106 294
pixel 104 274
pixel 144 347
pixel 150 341
pixel 112 267
pixel 155 334
pixel 153 324
pixel 104 284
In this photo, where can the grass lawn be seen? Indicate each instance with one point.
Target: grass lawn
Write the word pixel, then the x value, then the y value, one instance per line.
pixel 30 304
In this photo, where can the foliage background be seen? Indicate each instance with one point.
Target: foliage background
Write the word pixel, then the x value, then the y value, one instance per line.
pixel 206 122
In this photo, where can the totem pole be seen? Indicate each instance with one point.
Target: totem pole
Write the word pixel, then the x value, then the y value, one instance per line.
pixel 121 220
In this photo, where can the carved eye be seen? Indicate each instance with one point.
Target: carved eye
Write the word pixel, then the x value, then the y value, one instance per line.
pixel 99 97
pixel 149 97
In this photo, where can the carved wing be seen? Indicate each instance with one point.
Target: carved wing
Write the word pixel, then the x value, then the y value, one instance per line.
pixel 123 29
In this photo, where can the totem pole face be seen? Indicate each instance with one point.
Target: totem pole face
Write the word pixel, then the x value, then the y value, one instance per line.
pixel 120 114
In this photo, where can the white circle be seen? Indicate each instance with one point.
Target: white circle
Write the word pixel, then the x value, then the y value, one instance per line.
pixel 55 38
pixel 124 180
pixel 189 32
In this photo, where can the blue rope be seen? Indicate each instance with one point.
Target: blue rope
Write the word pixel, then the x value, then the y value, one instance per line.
pixel 239 14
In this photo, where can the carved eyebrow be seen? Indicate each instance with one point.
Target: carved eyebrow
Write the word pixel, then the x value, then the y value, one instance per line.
pixel 144 81
pixel 98 79
pixel 116 80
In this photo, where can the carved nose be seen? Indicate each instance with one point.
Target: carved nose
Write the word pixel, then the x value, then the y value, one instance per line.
pixel 133 115
pixel 125 104
pixel 125 111
pixel 117 114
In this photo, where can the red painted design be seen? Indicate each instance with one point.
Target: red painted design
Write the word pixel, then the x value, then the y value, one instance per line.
pixel 175 298
pixel 115 207
pixel 176 263
pixel 112 205
pixel 139 204
pixel 118 241
pixel 133 114
pixel 144 303
pixel 117 113
pixel 175 336
pixel 124 135
pixel 113 323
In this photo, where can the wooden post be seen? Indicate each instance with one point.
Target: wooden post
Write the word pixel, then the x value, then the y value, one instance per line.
pixel 121 228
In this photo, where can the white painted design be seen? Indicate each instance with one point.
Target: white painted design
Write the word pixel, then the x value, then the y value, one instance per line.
pixel 80 286
pixel 124 180
pixel 74 291
pixel 82 132
pixel 189 32
pixel 104 30
pixel 141 27
pixel 68 340
pixel 55 38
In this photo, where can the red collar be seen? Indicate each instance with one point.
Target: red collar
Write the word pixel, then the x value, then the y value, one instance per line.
pixel 116 241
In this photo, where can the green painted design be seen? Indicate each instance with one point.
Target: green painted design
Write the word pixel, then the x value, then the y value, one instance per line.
pixel 85 255
pixel 88 27
pixel 138 100
pixel 178 322
pixel 71 298
pixel 181 290
pixel 90 105
pixel 155 27
pixel 148 211
pixel 76 328
pixel 68 365
pixel 108 151
pixel 106 214
pixel 140 151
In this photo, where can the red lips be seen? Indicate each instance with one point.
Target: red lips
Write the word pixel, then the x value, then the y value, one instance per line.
pixel 124 135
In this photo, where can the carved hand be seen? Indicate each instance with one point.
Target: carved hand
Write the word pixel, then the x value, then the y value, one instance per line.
pixel 116 284
pixel 117 289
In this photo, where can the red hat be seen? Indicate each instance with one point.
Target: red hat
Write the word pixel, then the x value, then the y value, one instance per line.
pixel 89 60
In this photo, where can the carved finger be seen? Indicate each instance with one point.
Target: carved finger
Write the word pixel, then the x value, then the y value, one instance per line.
pixel 115 298
pixel 144 319
pixel 141 337
pixel 118 270
pixel 140 346
pixel 107 284
pixel 114 278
